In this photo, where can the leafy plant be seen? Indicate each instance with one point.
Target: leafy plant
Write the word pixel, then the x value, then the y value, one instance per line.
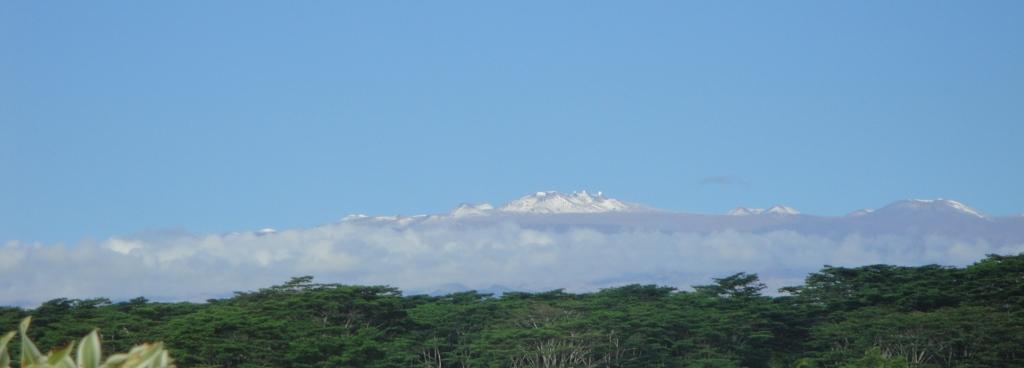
pixel 88 354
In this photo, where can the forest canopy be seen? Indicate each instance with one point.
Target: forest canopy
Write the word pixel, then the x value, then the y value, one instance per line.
pixel 871 316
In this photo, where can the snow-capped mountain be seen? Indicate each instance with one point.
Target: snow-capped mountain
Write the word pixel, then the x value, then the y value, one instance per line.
pixel 916 217
pixel 781 210
pixel 773 210
pixel 744 211
pixel 541 203
pixel 577 202
pixel 860 212
pixel 585 203
pixel 466 209
pixel 933 206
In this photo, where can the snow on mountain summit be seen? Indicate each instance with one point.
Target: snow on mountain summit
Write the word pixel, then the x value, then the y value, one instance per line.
pixel 583 202
pixel 773 210
pixel 467 209
pixel 744 211
pixel 860 212
pixel 539 203
pixel 932 205
pixel 577 202
pixel 782 210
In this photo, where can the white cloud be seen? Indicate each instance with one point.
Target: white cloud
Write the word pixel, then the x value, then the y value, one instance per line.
pixel 426 256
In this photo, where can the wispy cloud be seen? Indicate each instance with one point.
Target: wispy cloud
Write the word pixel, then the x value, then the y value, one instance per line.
pixel 424 257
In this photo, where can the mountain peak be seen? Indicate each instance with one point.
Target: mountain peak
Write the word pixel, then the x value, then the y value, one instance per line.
pixel 782 210
pixel 467 209
pixel 938 205
pixel 744 211
pixel 578 202
pixel 860 212
pixel 773 210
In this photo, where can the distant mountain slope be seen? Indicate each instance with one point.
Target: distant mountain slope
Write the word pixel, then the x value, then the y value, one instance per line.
pixel 918 218
pixel 577 202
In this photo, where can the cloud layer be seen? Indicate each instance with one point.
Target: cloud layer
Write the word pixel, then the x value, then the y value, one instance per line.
pixel 424 258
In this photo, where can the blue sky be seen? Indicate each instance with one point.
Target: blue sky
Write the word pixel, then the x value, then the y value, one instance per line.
pixel 120 117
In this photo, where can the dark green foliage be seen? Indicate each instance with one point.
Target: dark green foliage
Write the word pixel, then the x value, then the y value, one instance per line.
pixel 872 316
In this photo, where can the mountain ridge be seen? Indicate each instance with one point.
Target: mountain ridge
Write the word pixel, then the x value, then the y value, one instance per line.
pixel 583 203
